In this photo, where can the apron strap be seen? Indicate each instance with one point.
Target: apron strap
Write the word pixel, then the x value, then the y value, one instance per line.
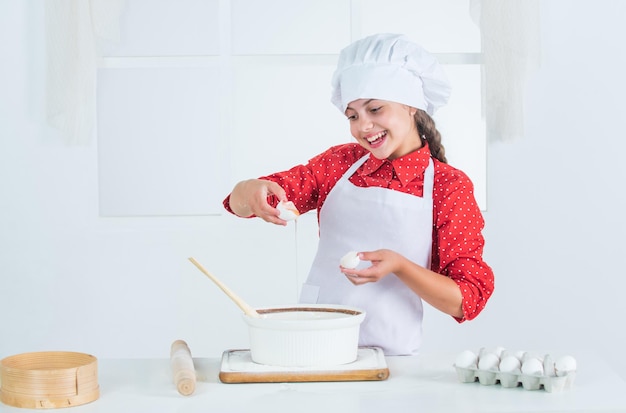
pixel 354 167
pixel 429 179
pixel 429 175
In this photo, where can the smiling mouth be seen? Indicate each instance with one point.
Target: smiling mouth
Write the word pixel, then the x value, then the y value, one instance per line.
pixel 374 139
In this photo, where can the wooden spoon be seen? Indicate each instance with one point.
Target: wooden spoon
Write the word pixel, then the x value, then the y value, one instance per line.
pixel 242 304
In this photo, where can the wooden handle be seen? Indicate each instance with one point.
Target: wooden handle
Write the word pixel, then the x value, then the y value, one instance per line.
pixel 182 368
pixel 242 304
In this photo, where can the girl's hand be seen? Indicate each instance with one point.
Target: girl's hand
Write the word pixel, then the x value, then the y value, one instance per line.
pixel 249 198
pixel 384 262
pixel 436 289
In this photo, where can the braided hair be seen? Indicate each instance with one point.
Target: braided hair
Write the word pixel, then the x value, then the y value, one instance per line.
pixel 428 131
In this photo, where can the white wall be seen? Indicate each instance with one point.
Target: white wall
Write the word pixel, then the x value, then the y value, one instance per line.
pixel 122 287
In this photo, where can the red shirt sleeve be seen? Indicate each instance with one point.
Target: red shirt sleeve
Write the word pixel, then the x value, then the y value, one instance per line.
pixel 458 241
pixel 308 185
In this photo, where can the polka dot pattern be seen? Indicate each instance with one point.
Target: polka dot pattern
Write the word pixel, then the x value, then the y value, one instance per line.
pixel 457 221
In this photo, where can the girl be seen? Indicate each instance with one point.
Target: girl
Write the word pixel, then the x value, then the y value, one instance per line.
pixel 391 196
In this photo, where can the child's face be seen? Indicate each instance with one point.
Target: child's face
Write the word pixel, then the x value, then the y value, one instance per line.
pixel 386 129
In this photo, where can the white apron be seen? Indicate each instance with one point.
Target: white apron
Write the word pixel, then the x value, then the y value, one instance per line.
pixel 367 219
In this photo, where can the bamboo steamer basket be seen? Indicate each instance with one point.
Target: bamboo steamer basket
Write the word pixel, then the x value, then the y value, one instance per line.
pixel 49 379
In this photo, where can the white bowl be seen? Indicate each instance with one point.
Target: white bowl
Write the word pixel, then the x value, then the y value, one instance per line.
pixel 310 335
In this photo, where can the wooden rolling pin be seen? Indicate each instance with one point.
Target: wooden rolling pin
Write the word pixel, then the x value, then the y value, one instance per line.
pixel 182 368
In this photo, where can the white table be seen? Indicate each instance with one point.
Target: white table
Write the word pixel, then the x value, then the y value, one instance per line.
pixel 426 383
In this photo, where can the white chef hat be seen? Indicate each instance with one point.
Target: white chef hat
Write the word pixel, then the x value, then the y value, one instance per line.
pixel 389 67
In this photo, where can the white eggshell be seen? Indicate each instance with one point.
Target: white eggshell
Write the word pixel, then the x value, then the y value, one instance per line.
pixel 499 350
pixel 510 364
pixel 548 366
pixel 564 365
pixel 520 354
pixel 532 366
pixel 288 210
pixel 530 355
pixel 488 361
pixel 466 359
pixel 350 260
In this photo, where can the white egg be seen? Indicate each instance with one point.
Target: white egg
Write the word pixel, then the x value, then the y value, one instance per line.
pixel 350 260
pixel 510 364
pixel 488 361
pixel 466 359
pixel 288 210
pixel 532 366
pixel 565 365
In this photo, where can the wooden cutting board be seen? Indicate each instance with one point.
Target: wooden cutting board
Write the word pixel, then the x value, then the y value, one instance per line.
pixel 237 367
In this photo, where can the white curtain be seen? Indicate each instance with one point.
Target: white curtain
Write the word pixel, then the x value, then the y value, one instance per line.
pixel 75 30
pixel 511 51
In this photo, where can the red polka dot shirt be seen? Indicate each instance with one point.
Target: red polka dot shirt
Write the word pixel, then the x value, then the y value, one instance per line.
pixel 457 220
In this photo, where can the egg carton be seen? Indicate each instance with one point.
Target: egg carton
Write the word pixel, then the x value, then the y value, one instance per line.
pixel 550 384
